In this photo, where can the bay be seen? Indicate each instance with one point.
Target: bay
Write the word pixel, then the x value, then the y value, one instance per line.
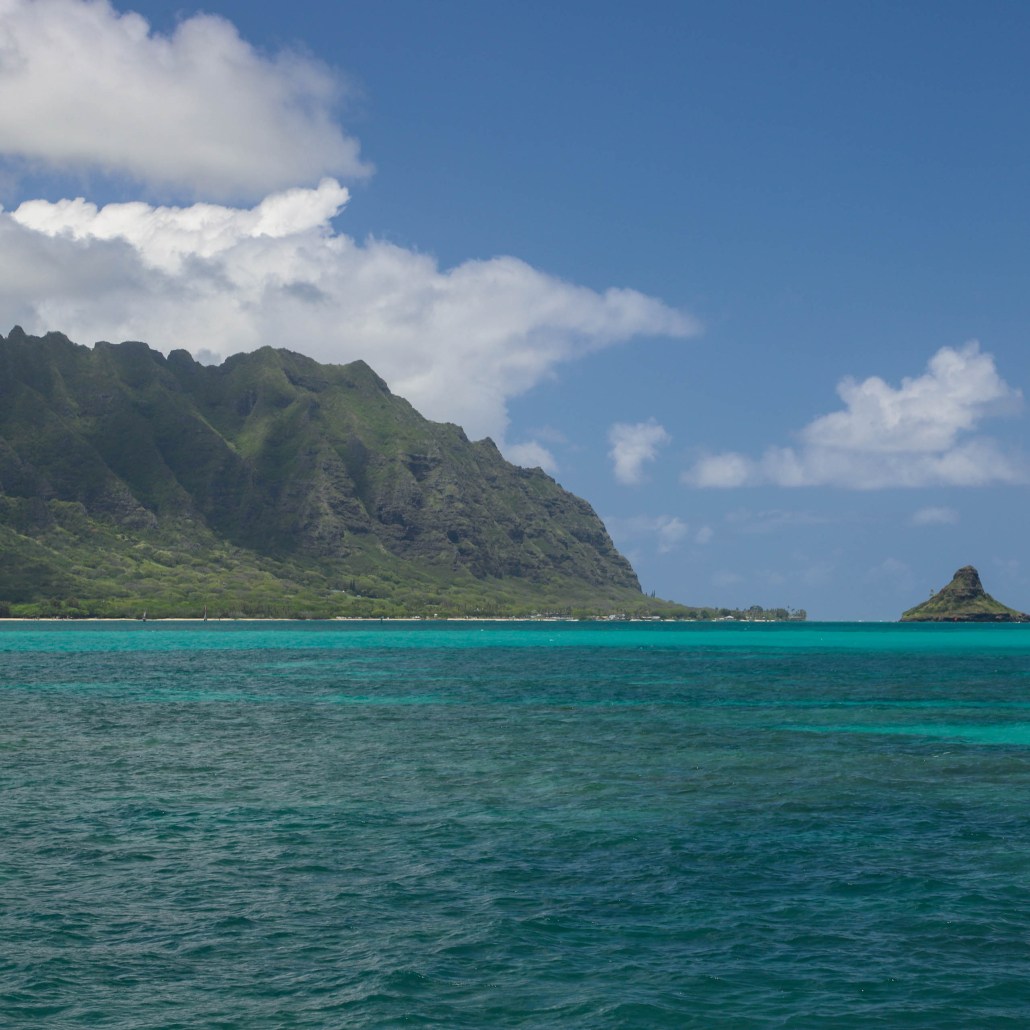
pixel 514 824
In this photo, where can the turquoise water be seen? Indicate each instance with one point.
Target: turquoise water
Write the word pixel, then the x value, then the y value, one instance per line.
pixel 514 825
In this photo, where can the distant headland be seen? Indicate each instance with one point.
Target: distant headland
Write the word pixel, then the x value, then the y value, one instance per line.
pixel 963 600
pixel 272 486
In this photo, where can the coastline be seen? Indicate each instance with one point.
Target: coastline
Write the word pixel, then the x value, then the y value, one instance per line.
pixel 335 618
pixel 400 618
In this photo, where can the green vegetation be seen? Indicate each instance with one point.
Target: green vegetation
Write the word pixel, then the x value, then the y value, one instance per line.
pixel 963 600
pixel 273 486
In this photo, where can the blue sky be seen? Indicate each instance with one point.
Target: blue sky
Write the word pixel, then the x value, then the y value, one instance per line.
pixel 720 267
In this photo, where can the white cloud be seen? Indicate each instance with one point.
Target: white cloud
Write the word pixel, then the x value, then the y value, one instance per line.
pixel 457 343
pixel 935 517
pixel 531 454
pixel 85 87
pixel 633 446
pixel 725 470
pixel 671 532
pixel 925 414
pixel 917 434
pixel 667 532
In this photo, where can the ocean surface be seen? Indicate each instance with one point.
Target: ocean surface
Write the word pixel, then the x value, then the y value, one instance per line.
pixel 514 825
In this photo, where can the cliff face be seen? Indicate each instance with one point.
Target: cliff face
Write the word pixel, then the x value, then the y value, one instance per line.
pixel 315 468
pixel 963 600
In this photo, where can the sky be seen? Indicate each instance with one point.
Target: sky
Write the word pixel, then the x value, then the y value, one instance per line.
pixel 751 278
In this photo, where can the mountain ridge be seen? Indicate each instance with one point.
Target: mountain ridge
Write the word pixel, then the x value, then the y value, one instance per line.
pixel 309 486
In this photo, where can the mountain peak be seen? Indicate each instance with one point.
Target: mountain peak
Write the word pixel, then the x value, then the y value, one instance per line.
pixel 963 600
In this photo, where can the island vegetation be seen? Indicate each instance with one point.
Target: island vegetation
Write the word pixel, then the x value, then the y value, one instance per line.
pixel 272 486
pixel 963 600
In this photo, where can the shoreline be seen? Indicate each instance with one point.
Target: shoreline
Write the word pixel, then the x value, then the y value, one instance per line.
pixel 403 619
pixel 334 618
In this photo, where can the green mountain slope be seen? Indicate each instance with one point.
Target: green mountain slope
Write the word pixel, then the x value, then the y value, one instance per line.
pixel 271 485
pixel 963 600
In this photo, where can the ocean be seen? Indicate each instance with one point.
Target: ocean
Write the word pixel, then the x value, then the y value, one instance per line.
pixel 245 824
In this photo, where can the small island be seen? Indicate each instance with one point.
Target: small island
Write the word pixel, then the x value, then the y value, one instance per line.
pixel 963 600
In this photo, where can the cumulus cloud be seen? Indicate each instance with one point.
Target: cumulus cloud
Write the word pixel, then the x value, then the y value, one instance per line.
pixel 201 113
pixel 633 446
pixel 725 470
pixel 925 414
pixel 531 454
pixel 86 87
pixel 935 517
pixel 666 532
pixel 916 434
pixel 456 342
pixel 670 532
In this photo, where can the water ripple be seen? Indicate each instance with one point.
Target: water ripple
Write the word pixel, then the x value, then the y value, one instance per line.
pixel 314 826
